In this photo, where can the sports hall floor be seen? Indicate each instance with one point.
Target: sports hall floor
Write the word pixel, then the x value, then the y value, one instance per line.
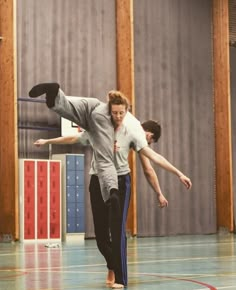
pixel 163 263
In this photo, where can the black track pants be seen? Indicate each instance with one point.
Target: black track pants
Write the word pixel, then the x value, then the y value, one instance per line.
pixel 110 225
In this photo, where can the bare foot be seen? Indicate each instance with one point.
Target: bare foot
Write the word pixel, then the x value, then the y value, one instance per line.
pixel 117 286
pixel 110 277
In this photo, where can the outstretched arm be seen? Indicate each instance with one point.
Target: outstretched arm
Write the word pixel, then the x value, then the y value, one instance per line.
pixel 165 164
pixel 60 140
pixel 152 179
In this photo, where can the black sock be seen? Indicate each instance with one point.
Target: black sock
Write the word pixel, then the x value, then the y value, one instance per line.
pixel 114 191
pixel 50 89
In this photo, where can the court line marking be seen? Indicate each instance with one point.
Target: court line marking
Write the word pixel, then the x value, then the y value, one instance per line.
pixel 218 288
pixel 89 248
pixel 19 273
pixel 134 262
pixel 142 262
pixel 211 287
pixel 162 276
pixel 137 262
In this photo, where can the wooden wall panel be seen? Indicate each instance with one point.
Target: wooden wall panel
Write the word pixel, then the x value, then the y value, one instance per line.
pixel 125 83
pixel 224 190
pixel 8 122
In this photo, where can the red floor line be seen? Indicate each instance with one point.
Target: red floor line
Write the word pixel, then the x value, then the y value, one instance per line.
pixel 198 282
pixel 182 279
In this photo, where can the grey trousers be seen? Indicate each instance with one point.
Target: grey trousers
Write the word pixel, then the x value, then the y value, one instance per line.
pixel 93 116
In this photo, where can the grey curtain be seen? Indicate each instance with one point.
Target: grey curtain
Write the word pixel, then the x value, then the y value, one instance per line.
pixel 173 76
pixel 71 42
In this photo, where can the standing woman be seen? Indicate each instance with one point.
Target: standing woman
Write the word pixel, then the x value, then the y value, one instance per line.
pixel 110 217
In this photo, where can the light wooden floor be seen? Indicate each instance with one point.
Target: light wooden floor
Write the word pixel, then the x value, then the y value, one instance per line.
pixel 163 263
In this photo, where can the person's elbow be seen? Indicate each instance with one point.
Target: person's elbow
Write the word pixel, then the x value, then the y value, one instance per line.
pixel 148 172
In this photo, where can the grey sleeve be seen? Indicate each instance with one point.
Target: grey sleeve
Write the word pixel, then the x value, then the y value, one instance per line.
pixel 83 138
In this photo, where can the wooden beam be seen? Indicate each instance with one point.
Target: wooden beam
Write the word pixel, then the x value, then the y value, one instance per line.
pixel 221 65
pixel 125 83
pixel 8 122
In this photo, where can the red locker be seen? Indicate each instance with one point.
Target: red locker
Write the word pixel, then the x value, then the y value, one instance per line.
pixel 29 231
pixel 54 224
pixel 55 202
pixel 29 183
pixel 42 168
pixel 29 200
pixel 42 184
pixel 42 199
pixel 54 168
pixel 29 223
pixel 42 225
pixel 41 192
pixel 29 168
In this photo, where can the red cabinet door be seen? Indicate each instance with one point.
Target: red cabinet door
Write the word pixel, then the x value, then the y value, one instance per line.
pixel 55 200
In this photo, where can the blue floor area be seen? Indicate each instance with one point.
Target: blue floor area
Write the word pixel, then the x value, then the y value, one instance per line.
pixel 164 263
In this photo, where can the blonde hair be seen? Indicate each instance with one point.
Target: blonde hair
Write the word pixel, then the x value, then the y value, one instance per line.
pixel 117 98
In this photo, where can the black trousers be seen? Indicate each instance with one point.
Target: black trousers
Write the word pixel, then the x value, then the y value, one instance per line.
pixel 110 225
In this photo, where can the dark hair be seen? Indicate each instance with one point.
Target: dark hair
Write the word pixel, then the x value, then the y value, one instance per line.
pixel 117 98
pixel 153 127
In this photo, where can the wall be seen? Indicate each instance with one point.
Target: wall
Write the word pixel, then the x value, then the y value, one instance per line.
pixel 70 42
pixel 173 75
pixel 73 43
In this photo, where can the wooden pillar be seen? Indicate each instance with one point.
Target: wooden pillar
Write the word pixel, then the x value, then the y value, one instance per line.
pixel 8 122
pixel 221 65
pixel 125 83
